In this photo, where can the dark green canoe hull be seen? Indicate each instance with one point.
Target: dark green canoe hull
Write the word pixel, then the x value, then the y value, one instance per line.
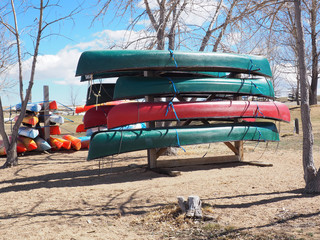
pixel 113 62
pixel 100 93
pixel 138 87
pixel 108 143
pixel 189 74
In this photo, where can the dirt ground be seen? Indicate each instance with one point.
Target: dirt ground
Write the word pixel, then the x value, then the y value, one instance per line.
pixel 63 196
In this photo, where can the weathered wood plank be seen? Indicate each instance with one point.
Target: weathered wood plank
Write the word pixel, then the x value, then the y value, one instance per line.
pixel 152 153
pixel 197 161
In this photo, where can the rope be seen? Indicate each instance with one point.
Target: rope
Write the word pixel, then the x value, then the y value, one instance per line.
pixel 176 91
pixel 170 104
pixel 207 151
pixel 90 83
pixel 120 144
pixel 173 57
pixel 252 83
pixel 98 94
pixel 65 106
pixel 260 135
pixel 178 141
pixel 258 111
pixel 251 66
pixel 68 119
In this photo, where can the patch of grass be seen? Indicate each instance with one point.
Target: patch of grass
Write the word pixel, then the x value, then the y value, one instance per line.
pixel 169 222
pixel 310 234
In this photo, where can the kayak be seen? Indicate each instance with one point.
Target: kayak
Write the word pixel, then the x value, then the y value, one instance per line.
pixel 130 113
pixel 31 107
pixel 28 132
pixel 21 148
pixel 139 87
pixel 80 128
pixel 108 143
pixel 54 130
pixel 29 143
pixel 85 142
pixel 75 142
pixel 29 120
pixel 52 105
pixel 42 145
pixel 56 119
pixel 115 63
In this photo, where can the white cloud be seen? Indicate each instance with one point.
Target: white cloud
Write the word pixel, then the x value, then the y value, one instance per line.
pixel 60 68
pixel 123 39
pixel 199 12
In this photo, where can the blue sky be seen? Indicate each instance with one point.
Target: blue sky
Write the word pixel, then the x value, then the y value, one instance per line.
pixel 59 54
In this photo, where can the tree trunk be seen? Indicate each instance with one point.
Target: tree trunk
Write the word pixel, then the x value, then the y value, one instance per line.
pixel 12 156
pixel 209 31
pixel 312 179
pixel 172 33
pixel 314 77
pixel 226 23
pixel 161 29
pixel 298 91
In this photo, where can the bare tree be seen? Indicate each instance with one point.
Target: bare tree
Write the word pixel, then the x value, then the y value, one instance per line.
pixel 313 10
pixel 11 145
pixel 311 175
pixel 73 96
pixel 6 59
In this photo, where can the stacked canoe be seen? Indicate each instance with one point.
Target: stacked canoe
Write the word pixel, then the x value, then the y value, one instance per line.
pixel 95 118
pixel 227 93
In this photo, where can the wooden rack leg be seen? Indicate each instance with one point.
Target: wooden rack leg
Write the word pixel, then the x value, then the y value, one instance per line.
pixel 239 146
pixel 152 153
pixel 46 128
pixel 152 158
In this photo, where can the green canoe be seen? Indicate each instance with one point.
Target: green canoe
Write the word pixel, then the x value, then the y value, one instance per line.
pixel 111 63
pixel 158 74
pixel 100 93
pixel 138 87
pixel 108 143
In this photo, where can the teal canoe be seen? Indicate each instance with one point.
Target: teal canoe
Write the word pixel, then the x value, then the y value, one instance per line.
pixel 112 63
pixel 158 74
pixel 138 87
pixel 108 143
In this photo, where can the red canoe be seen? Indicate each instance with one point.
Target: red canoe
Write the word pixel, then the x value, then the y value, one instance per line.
pixel 130 113
pixel 96 116
pixel 85 108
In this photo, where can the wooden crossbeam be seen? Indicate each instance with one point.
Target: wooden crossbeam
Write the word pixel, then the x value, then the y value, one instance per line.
pixel 197 161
